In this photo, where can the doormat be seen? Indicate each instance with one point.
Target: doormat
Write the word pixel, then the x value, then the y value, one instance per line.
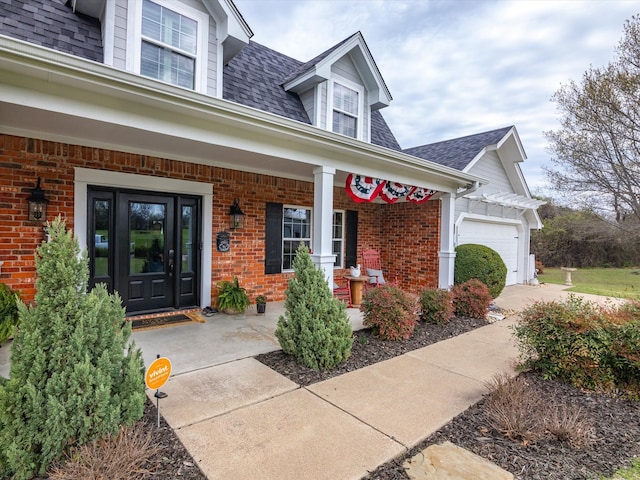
pixel 151 322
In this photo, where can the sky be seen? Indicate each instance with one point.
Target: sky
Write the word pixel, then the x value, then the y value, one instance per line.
pixel 459 67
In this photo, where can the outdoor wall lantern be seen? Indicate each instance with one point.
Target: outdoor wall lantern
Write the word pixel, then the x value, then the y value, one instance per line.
pixel 37 205
pixel 236 216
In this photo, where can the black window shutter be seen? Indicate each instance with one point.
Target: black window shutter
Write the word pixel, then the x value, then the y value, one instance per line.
pixel 273 240
pixel 351 254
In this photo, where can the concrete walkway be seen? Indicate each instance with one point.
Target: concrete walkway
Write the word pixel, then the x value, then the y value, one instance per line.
pixel 241 420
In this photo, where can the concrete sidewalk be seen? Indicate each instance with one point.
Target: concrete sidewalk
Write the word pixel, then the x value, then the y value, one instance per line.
pixel 242 420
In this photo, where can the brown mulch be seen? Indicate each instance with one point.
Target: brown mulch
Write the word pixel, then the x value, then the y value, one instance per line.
pixel 616 422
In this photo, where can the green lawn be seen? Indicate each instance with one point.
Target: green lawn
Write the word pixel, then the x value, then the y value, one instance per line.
pixel 631 473
pixel 611 282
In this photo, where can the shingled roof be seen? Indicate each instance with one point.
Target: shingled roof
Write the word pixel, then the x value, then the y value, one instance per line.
pixel 254 78
pixel 458 152
pixel 52 24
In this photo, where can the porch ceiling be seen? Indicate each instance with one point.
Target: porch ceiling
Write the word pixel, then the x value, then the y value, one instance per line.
pixel 53 96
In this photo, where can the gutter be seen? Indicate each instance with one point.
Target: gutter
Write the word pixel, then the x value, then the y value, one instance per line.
pixel 52 67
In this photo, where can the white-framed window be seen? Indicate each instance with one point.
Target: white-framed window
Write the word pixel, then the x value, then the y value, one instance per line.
pixel 296 229
pixel 337 238
pixel 346 108
pixel 169 42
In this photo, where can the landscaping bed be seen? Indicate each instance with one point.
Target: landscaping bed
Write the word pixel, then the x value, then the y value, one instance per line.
pixel 614 441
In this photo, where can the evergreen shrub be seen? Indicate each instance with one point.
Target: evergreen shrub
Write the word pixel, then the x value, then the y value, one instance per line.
pixel 74 376
pixel 390 312
pixel 471 299
pixel 588 345
pixel 436 305
pixel 8 311
pixel 315 328
pixel 483 263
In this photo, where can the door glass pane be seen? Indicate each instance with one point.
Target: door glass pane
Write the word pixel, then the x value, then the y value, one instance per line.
pixel 187 239
pixel 146 237
pixel 101 212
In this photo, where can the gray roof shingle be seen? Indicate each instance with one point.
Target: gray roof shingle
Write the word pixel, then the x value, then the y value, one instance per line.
pixel 254 78
pixel 52 24
pixel 458 152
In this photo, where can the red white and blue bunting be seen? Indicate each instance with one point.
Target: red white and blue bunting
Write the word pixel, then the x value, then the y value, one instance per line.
pixel 366 189
pixel 363 189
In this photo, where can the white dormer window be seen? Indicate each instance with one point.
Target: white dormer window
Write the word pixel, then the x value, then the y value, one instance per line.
pixel 346 108
pixel 170 43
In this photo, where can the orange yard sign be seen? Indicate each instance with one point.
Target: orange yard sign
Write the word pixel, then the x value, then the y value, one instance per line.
pixel 158 373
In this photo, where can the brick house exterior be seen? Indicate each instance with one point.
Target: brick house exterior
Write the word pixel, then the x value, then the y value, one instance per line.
pixel 79 111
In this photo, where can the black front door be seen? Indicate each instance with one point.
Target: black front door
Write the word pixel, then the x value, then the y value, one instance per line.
pixel 145 246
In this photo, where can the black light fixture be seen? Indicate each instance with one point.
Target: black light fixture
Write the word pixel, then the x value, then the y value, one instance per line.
pixel 236 216
pixel 37 205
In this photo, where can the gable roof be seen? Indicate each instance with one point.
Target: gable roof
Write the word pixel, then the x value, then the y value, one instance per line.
pixel 52 24
pixel 318 70
pixel 254 78
pixel 458 153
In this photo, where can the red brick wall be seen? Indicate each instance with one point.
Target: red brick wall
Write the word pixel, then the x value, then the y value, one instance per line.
pixel 406 234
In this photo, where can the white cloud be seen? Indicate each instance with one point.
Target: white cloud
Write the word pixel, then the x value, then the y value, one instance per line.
pixel 458 67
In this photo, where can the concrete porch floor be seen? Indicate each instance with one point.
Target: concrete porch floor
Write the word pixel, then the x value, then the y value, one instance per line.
pixel 221 339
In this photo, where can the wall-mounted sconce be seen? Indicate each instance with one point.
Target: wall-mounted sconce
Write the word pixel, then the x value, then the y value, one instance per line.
pixel 37 205
pixel 236 216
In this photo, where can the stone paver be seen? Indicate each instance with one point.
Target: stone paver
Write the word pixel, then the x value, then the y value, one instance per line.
pixel 291 437
pixel 450 462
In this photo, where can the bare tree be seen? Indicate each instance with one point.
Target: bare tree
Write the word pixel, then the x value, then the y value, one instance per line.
pixel 597 149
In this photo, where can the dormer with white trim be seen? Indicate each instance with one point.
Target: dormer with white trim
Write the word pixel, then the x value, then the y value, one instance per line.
pixel 181 42
pixel 341 87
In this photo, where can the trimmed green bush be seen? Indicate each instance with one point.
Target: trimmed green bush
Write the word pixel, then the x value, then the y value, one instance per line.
pixel 8 311
pixel 471 299
pixel 436 305
pixel 390 312
pixel 315 327
pixel 583 343
pixel 74 376
pixel 483 263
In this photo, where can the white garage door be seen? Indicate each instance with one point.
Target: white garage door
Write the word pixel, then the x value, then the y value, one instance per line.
pixel 502 238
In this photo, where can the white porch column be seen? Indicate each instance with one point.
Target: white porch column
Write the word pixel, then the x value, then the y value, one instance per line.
pixel 447 253
pixel 322 255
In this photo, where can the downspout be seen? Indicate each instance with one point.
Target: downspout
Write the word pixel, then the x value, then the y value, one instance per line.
pixel 470 189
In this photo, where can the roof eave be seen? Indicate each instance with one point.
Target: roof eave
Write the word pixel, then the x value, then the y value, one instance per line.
pixel 35 63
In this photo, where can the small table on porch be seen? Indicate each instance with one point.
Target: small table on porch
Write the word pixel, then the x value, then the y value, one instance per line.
pixel 356 284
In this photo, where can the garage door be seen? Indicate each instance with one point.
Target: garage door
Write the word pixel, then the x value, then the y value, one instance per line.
pixel 502 238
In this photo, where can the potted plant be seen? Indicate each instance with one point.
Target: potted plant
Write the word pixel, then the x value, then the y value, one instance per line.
pixel 232 298
pixel 261 304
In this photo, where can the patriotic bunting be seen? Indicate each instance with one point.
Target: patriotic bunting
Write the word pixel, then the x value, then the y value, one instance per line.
pixel 363 189
pixel 366 189
pixel 392 191
pixel 420 195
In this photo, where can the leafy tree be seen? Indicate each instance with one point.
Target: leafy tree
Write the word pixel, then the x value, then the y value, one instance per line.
pixel 70 379
pixel 579 238
pixel 315 327
pixel 597 148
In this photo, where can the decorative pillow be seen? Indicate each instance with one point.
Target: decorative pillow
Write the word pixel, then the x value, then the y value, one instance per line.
pixel 375 274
